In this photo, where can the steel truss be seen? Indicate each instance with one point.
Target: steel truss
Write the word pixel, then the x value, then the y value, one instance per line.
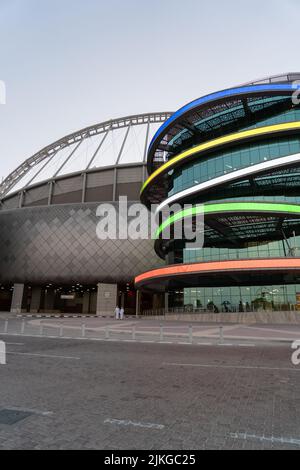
pixel 77 137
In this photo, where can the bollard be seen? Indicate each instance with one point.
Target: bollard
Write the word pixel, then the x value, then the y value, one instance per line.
pixel 221 334
pixel 5 326
pixel 61 330
pixel 191 334
pixel 83 330
pixel 106 332
pixel 161 336
pixel 2 353
pixel 23 327
pixel 133 333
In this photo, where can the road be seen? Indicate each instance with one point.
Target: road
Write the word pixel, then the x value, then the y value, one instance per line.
pixel 72 394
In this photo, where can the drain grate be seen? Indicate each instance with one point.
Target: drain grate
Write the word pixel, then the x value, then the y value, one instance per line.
pixel 13 416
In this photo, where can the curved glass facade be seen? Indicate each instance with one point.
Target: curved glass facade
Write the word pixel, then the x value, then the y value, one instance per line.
pixel 276 249
pixel 228 161
pixel 235 234
pixel 291 199
pixel 231 117
pixel 237 298
pixel 218 111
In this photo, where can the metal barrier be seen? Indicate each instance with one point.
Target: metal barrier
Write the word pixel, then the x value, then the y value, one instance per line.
pixel 138 333
pixel 164 332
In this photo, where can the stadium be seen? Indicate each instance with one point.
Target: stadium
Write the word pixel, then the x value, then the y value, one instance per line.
pixel 235 156
pixel 50 257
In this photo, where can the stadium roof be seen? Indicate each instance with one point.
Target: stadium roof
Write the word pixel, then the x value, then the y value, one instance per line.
pixel 110 143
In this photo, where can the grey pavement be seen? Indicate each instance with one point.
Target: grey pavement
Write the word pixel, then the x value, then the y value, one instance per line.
pixel 70 394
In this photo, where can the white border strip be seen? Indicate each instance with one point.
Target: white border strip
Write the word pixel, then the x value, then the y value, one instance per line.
pixel 268 165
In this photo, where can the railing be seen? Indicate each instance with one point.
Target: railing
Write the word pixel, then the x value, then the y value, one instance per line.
pixel 160 333
pixel 138 331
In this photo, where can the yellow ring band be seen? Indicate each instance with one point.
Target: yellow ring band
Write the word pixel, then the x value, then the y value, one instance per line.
pixel 289 126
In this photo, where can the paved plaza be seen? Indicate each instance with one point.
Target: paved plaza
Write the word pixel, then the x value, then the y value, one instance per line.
pixel 60 393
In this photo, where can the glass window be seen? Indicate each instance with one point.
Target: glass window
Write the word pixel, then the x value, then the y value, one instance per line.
pixel 229 161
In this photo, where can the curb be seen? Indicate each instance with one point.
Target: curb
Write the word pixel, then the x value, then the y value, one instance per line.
pixel 71 316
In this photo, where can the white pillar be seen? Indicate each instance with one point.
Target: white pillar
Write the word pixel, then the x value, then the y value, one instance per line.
pixel 2 353
pixel 16 303
pixel 106 299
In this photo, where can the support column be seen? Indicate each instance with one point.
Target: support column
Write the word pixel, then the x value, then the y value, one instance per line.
pixel 35 299
pixel 49 301
pixel 21 200
pixel 106 299
pixel 86 303
pixel 156 301
pixel 83 187
pixel 122 300
pixel 51 183
pixel 115 184
pixel 93 302
pixel 16 303
pixel 138 303
pixel 166 301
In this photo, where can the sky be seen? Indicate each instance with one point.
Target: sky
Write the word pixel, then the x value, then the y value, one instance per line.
pixel 68 64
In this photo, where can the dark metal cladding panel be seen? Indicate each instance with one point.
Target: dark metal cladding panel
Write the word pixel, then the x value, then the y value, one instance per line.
pixel 37 195
pixel 11 202
pixel 58 243
pixel 101 193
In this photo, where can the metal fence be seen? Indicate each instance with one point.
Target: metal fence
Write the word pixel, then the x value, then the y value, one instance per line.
pixel 161 333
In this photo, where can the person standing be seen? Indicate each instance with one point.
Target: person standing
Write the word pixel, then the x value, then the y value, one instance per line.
pixel 117 313
pixel 122 313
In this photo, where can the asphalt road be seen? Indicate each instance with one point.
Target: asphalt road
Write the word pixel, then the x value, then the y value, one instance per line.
pixel 114 395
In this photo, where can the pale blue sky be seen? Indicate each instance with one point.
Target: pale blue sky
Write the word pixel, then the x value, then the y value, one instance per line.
pixel 71 63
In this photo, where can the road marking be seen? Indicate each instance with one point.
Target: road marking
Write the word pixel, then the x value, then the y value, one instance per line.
pixel 247 344
pixel 138 341
pixel 174 364
pixel 281 440
pixel 43 355
pixel 15 344
pixel 278 330
pixel 121 422
pixel 30 410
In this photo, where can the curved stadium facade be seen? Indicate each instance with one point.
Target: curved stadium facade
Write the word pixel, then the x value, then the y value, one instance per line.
pixel 50 257
pixel 234 154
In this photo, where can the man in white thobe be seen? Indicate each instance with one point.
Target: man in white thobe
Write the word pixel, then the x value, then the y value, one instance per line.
pixel 117 313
